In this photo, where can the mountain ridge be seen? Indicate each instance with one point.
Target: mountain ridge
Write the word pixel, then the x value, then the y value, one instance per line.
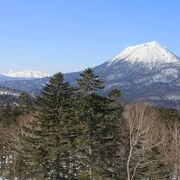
pixel 25 74
pixel 156 79
pixel 151 53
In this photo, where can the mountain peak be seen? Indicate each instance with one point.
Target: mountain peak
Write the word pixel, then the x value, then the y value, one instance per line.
pixel 153 43
pixel 150 54
pixel 25 74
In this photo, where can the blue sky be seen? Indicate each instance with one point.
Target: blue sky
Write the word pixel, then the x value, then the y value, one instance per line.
pixel 70 35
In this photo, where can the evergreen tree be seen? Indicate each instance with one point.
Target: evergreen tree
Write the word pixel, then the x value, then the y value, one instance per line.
pixel 25 101
pixel 115 103
pixel 119 130
pixel 114 94
pixel 101 126
pixel 8 124
pixel 52 135
pixel 89 82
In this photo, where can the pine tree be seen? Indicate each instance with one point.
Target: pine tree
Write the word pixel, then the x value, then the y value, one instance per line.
pixel 119 138
pixel 89 82
pixel 101 123
pixel 25 101
pixel 114 94
pixel 52 136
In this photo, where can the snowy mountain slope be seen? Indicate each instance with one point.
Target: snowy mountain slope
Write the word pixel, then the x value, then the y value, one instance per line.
pixel 147 72
pixel 144 72
pixel 26 74
pixel 150 53
pixel 8 91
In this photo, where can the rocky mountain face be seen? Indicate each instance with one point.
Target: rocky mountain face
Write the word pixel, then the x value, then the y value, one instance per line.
pixel 146 72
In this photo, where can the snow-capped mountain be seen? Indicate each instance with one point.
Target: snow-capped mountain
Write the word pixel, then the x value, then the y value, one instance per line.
pixel 144 72
pixel 150 53
pixel 26 74
pixel 147 72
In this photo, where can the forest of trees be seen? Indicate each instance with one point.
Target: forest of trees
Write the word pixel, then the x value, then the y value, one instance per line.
pixel 70 133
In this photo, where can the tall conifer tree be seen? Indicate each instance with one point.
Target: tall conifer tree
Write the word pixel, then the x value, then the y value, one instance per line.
pixel 52 134
pixel 101 126
pixel 89 82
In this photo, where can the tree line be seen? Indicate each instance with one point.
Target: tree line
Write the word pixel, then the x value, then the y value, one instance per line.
pixel 70 133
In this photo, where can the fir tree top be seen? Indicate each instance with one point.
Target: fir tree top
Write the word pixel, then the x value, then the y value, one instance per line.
pixel 89 82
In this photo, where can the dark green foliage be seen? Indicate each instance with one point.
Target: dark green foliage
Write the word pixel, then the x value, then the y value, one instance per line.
pixel 25 101
pixel 8 123
pixel 115 103
pixel 169 115
pixel 8 99
pixel 114 94
pixel 8 115
pixel 101 128
pixel 89 82
pixel 54 131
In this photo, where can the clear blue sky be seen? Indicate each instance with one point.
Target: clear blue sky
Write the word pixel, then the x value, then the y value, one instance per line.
pixel 70 35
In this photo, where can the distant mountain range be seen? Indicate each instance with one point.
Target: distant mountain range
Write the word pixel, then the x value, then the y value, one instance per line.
pixel 27 81
pixel 25 74
pixel 27 85
pixel 146 72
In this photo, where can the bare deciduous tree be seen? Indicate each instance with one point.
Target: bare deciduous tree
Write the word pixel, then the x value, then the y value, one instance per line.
pixel 171 148
pixel 142 122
